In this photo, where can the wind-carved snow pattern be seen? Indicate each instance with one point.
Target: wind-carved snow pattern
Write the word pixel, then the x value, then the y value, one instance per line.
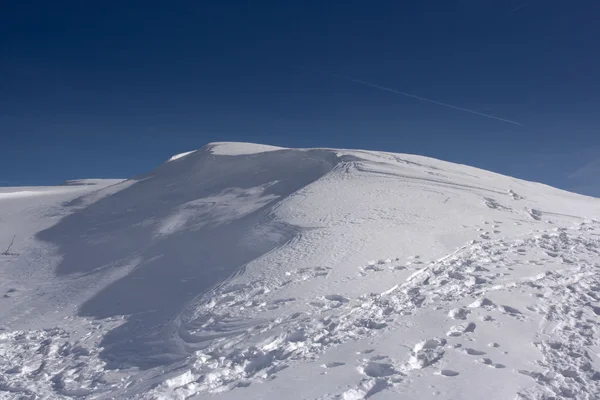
pixel 242 271
pixel 567 369
pixel 179 223
pixel 227 206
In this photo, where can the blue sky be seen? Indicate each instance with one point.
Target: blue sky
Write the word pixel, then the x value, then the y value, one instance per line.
pixel 111 89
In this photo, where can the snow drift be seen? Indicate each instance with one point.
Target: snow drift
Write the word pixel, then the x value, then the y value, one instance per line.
pixel 181 230
pixel 344 274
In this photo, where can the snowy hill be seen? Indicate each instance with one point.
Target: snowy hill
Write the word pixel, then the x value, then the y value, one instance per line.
pixel 251 271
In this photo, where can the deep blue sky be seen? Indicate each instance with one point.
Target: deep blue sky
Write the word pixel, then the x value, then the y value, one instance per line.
pixel 111 89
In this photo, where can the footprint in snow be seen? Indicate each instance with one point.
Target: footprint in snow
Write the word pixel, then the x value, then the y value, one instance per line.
pixel 459 330
pixel 541 311
pixel 493 204
pixel 426 353
pixel 278 302
pixel 511 311
pixel 534 214
pixel 483 303
pixel 365 351
pixel 336 297
pixel 490 363
pixel 377 370
pixel 366 389
pixel 333 364
pixel 317 304
pixel 448 372
pixel 514 195
pixel 372 267
pixel 306 273
pixel 321 271
pixel 377 358
pixel 474 352
pixel 458 313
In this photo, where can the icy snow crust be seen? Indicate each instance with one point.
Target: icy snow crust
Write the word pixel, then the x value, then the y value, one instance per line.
pixel 343 274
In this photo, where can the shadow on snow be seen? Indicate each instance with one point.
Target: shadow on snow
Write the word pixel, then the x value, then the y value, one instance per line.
pixel 210 241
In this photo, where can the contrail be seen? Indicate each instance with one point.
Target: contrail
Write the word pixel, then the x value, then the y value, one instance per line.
pixel 373 85
pixel 518 8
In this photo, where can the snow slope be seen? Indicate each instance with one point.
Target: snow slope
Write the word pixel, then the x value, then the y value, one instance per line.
pixel 242 270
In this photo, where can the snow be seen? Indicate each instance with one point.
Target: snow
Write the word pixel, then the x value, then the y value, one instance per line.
pixel 231 149
pixel 180 155
pixel 25 193
pixel 69 188
pixel 91 182
pixel 244 270
pixel 239 148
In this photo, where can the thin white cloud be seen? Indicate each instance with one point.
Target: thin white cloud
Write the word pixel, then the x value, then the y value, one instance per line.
pixel 439 103
pixel 589 170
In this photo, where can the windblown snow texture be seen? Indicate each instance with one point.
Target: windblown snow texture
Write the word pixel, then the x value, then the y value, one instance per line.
pixel 242 270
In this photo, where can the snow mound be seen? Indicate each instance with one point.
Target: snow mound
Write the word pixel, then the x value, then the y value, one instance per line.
pixel 230 149
pixel 239 148
pixel 251 271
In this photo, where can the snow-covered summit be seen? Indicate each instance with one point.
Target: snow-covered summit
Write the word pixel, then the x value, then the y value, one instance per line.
pixel 344 274
pixel 230 149
pixel 239 148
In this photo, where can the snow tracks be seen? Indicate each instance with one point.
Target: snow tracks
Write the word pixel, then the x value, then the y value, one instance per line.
pixel 558 270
